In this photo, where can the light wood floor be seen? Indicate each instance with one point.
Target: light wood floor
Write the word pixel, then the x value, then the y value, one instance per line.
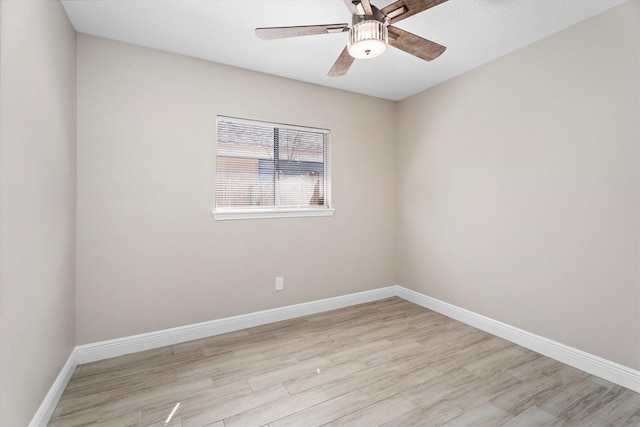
pixel 386 363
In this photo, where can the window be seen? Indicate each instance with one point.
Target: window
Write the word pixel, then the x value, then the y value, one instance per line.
pixel 270 170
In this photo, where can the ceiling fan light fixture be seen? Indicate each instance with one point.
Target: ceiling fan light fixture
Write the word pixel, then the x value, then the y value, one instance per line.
pixel 367 39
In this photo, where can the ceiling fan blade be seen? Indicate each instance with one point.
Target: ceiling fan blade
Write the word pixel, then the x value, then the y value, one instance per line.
pixel 342 65
pixel 405 8
pixel 359 7
pixel 415 45
pixel 303 30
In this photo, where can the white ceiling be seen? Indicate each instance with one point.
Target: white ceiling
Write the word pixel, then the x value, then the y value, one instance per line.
pixel 474 32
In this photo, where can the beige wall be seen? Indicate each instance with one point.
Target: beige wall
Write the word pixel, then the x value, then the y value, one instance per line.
pixel 150 255
pixel 37 203
pixel 518 188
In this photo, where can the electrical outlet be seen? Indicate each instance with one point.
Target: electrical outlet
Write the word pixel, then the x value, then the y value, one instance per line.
pixel 279 283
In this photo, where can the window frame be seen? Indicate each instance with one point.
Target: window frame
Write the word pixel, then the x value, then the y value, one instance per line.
pixel 232 213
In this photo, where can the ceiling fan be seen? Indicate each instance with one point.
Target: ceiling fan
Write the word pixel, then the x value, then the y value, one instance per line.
pixel 370 33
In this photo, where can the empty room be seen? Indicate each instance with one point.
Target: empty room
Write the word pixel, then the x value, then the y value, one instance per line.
pixel 319 212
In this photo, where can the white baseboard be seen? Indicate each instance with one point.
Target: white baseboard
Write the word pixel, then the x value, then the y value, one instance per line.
pixel 48 405
pixel 132 344
pixel 590 363
pixel 610 371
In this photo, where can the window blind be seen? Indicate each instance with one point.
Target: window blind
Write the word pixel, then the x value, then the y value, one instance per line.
pixel 263 165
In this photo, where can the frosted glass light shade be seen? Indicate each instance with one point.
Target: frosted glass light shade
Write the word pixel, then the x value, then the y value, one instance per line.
pixel 367 39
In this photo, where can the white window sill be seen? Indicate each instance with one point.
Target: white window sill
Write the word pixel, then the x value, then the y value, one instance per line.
pixel 223 215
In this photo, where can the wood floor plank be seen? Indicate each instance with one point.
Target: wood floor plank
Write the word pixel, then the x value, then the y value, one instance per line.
pixel 396 352
pixel 357 350
pixel 388 363
pixel 202 400
pixel 323 375
pixel 485 415
pixel 436 415
pixel 152 399
pixel 231 407
pixel 532 417
pixel 573 399
pixel 287 373
pixel 277 409
pixel 480 390
pixel 358 380
pixel 619 406
pixel 438 388
pixel 326 411
pixel 496 362
pixel 526 394
pixel 375 415
pixel 390 385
